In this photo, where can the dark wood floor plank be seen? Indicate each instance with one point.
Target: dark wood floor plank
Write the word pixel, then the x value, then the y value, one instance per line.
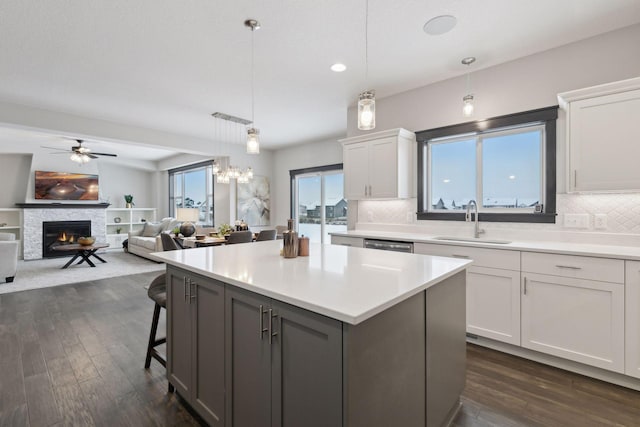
pixel 32 359
pixel 18 417
pixel 81 363
pixel 12 395
pixel 41 403
pixel 115 381
pixel 61 373
pixel 100 405
pixel 72 407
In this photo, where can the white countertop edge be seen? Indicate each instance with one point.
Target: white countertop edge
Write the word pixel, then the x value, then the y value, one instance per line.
pixel 563 248
pixel 325 311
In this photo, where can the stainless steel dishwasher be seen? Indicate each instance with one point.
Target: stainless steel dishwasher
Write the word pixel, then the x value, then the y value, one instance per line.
pixel 388 245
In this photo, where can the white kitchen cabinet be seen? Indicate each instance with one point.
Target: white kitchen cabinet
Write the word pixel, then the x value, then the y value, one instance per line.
pixel 493 289
pixel 356 242
pixel 569 316
pixel 602 137
pixel 632 318
pixel 379 165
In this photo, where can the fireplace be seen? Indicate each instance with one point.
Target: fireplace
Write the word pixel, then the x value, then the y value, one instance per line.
pixel 56 233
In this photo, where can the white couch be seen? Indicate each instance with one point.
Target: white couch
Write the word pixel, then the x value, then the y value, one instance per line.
pixel 8 256
pixel 146 240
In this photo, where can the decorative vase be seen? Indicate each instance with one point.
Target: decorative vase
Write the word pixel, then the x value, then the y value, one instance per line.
pixel 128 205
pixel 290 238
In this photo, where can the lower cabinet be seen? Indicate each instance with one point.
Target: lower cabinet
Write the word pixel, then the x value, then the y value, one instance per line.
pixel 356 242
pixel 632 315
pixel 274 351
pixel 577 319
pixel 493 304
pixel 195 342
pixel 493 289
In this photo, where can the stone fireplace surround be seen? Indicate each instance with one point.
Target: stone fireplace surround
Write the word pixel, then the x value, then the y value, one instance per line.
pixel 35 214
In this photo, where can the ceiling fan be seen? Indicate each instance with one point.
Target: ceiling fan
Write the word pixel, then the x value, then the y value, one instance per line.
pixel 80 153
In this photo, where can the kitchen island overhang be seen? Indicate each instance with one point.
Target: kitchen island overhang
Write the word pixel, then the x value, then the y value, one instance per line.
pixel 344 283
pixel 390 329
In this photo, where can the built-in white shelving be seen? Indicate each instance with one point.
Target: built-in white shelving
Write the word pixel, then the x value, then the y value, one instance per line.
pixel 121 221
pixel 11 222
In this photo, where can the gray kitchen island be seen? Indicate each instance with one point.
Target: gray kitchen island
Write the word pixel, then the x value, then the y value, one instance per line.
pixel 345 337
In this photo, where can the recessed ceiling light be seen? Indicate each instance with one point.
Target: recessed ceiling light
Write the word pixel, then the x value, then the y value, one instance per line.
pixel 338 68
pixel 440 25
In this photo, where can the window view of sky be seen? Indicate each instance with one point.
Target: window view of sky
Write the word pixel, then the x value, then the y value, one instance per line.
pixel 511 171
pixel 309 189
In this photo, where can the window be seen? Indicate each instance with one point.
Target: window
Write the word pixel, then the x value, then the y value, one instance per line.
pixel 506 164
pixel 192 187
pixel 317 201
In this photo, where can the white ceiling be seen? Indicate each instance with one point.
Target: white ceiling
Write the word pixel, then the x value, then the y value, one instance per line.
pixel 166 64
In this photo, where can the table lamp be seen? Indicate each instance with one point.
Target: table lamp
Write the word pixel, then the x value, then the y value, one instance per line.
pixel 188 216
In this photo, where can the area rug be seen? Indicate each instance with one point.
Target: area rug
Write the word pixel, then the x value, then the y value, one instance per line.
pixel 48 272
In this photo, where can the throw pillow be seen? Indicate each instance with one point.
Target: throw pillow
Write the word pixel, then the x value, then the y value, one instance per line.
pixel 151 229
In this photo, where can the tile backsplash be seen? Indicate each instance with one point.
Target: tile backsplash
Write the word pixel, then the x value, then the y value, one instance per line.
pixel 621 212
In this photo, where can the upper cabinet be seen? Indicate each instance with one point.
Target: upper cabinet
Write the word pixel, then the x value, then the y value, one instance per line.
pixel 603 137
pixel 379 165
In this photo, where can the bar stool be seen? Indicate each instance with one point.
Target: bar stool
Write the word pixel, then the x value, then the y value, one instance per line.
pixel 158 293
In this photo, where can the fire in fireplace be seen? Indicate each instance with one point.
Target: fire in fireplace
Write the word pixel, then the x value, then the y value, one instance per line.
pixel 56 233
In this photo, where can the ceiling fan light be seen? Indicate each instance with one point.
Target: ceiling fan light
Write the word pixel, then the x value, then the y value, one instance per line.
pixel 253 141
pixel 367 110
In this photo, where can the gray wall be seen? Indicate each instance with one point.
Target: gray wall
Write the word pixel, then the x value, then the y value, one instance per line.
pixel 524 84
pixel 15 178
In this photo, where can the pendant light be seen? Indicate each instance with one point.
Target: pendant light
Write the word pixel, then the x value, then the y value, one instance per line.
pixel 367 99
pixel 253 140
pixel 467 100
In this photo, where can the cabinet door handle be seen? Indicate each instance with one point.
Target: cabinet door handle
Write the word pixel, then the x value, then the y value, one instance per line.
pixel 271 333
pixel 184 282
pixel 460 256
pixel 525 285
pixel 570 267
pixel 262 328
pixel 575 178
pixel 192 293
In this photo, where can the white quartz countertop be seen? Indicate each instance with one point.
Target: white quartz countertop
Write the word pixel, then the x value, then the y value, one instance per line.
pixel 566 248
pixel 344 283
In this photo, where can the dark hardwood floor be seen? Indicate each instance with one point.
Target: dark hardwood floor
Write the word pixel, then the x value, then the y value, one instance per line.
pixel 73 355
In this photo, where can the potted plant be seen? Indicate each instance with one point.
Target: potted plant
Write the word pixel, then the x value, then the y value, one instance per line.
pixel 128 198
pixel 224 229
pixel 118 230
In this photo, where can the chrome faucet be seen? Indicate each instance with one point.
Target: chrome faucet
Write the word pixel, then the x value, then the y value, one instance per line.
pixel 467 217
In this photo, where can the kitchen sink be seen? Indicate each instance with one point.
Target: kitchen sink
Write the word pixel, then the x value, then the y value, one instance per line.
pixel 473 240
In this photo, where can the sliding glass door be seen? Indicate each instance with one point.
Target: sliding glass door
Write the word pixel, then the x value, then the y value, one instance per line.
pixel 318 204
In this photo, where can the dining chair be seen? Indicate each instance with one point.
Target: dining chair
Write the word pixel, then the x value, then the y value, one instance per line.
pixel 240 237
pixel 266 235
pixel 169 243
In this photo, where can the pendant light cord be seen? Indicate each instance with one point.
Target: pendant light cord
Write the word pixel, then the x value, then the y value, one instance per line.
pixel 252 80
pixel 366 42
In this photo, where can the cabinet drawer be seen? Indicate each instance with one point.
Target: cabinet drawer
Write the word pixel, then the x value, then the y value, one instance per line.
pixel 579 267
pixel 356 242
pixel 482 257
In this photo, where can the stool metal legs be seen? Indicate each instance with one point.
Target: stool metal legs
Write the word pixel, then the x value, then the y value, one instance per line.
pixel 153 343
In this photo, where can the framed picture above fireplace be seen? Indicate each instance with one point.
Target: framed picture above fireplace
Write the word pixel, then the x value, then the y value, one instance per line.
pixel 66 186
